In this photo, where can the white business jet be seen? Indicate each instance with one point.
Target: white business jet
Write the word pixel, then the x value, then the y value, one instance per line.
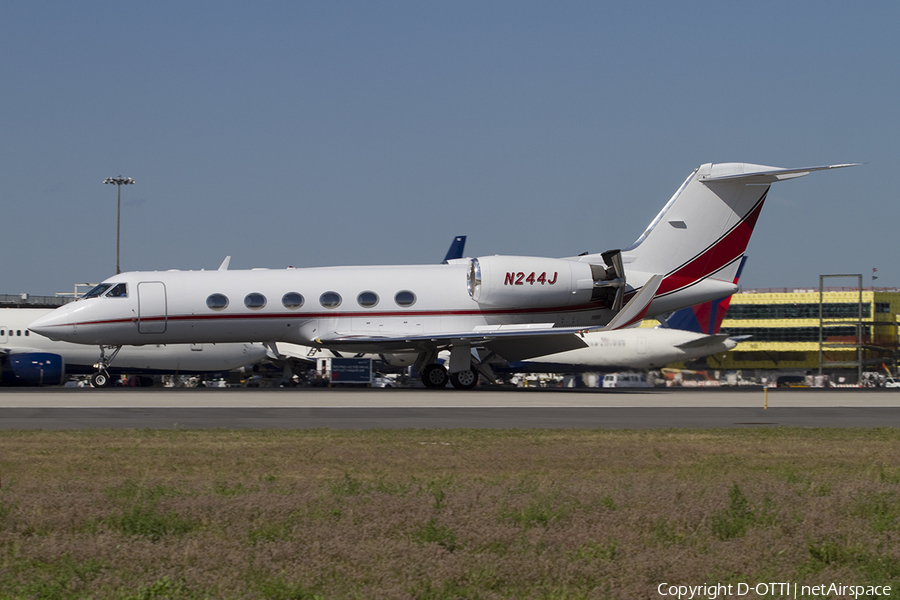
pixel 32 360
pixel 515 307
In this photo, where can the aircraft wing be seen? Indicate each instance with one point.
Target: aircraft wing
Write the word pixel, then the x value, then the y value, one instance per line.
pixel 478 337
pixel 512 342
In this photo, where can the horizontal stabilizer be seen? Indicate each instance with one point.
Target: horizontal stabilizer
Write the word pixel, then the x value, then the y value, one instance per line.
pixel 707 340
pixel 760 173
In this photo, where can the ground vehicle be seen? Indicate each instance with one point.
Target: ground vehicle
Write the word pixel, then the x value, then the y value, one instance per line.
pixel 892 382
pixel 623 380
pixel 792 381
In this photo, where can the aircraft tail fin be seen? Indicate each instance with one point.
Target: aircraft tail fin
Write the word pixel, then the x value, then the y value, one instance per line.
pixel 707 317
pixel 703 230
pixel 456 249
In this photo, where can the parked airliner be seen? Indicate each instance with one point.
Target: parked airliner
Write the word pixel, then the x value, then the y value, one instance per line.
pixel 687 335
pixel 27 359
pixel 517 307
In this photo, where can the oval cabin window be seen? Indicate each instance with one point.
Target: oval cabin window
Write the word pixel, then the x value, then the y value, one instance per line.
pixel 217 302
pixel 254 301
pixel 292 300
pixel 367 299
pixel 405 298
pixel 330 299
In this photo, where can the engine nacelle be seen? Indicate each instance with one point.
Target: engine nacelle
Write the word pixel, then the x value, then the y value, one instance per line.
pixel 527 281
pixel 32 368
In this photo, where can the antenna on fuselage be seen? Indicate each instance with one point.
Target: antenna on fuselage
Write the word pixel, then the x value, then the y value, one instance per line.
pixel 224 265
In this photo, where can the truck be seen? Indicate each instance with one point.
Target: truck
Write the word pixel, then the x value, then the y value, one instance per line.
pixel 341 371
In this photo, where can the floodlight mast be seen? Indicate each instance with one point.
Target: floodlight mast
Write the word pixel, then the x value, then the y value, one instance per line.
pixel 119 181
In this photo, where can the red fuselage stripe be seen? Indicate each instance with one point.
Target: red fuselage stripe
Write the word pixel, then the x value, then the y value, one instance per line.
pixel 345 315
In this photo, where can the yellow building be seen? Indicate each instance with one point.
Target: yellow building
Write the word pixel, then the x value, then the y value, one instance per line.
pixel 784 329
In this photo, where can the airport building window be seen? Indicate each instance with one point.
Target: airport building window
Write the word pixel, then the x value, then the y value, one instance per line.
pixel 217 302
pixel 292 300
pixel 405 298
pixel 367 299
pixel 833 310
pixel 254 300
pixel 330 299
pixel 842 334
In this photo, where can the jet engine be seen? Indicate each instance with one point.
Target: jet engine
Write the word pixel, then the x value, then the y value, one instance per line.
pixel 526 281
pixel 32 368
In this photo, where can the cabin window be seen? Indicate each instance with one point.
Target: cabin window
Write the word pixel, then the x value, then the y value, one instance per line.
pixel 405 298
pixel 330 299
pixel 367 299
pixel 97 290
pixel 254 301
pixel 217 302
pixel 119 291
pixel 292 300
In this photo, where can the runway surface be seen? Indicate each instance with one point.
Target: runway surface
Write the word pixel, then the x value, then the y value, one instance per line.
pixel 343 408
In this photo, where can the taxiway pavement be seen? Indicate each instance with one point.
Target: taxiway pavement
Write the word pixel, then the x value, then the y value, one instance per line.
pixel 306 408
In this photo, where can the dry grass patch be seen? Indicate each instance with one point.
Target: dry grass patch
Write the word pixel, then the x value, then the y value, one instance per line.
pixel 442 514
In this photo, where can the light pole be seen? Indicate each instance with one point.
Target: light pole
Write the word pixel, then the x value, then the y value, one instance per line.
pixel 119 181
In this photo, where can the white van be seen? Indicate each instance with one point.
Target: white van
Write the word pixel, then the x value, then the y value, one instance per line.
pixel 625 380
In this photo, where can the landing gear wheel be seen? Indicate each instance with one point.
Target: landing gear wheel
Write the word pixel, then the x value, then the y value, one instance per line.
pixel 464 380
pixel 99 380
pixel 434 376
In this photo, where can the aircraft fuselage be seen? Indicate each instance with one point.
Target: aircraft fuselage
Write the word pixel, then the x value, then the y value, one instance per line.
pixel 302 306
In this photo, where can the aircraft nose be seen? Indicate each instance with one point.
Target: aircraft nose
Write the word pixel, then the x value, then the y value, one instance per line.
pixel 54 325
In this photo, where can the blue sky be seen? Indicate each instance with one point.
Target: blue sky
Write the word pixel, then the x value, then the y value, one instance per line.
pixel 327 133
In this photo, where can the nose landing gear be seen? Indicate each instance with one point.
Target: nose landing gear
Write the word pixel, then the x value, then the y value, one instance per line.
pixel 100 379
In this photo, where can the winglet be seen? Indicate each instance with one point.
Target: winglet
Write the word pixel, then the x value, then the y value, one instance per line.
pixel 224 265
pixel 637 307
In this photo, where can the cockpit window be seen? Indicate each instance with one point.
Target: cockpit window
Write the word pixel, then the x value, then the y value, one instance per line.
pixel 97 291
pixel 118 291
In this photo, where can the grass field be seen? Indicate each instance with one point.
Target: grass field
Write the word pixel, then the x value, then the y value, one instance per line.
pixel 443 514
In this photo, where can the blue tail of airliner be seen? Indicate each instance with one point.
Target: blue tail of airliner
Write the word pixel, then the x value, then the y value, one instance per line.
pixel 456 248
pixel 704 318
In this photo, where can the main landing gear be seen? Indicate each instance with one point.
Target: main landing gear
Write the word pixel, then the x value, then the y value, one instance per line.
pixel 100 379
pixel 464 380
pixel 435 376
